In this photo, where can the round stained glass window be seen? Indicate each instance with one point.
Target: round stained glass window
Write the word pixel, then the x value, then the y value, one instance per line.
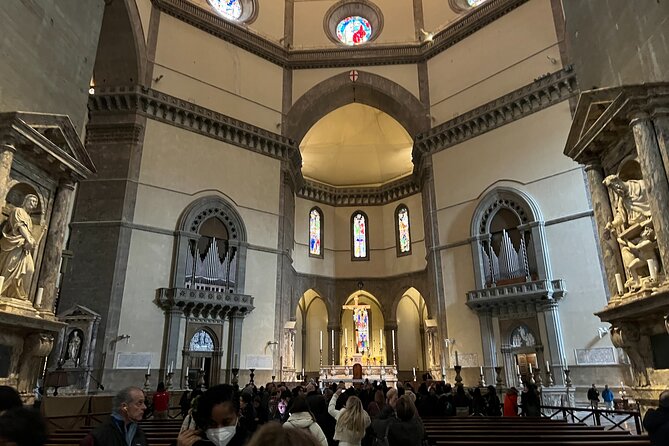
pixel 473 3
pixel 354 30
pixel 230 9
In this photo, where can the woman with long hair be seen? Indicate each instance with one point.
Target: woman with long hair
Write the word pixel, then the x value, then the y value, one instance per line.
pixel 352 420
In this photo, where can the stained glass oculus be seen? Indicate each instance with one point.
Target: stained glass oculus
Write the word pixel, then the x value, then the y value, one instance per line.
pixel 474 3
pixel 315 232
pixel 403 230
pixel 230 9
pixel 354 30
pixel 359 236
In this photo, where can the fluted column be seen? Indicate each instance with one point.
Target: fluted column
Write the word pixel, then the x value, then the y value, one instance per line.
pixel 601 205
pixel 555 341
pixel 235 341
pixel 51 259
pixel 7 151
pixel 655 178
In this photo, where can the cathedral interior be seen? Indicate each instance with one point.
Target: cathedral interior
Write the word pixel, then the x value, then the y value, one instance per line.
pixel 207 189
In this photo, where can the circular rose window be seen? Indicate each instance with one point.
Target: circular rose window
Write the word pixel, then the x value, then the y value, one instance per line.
pixel 354 30
pixel 230 9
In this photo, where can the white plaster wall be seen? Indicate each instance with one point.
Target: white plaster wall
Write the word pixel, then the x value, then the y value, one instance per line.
pixel 144 9
pixel 141 318
pixel 404 75
pixel 409 346
pixel 505 55
pixel 201 68
pixel 337 261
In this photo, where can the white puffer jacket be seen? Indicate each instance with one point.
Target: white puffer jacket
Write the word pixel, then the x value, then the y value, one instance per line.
pixel 304 421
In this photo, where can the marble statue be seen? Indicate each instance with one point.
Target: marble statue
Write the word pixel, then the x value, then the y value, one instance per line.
pixel 638 349
pixel 74 346
pixel 631 201
pixel 636 254
pixel 521 337
pixel 16 246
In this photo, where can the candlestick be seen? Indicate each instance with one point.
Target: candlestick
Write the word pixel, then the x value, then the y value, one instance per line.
pixel 619 284
pixel 481 370
pixel 321 341
pixel 414 373
pixel 381 338
pixel 332 337
pixel 393 333
pixel 346 337
pixel 40 293
pixel 456 358
pixel 548 367
pixel 235 363
pixel 530 367
pixel 148 369
pixel 517 369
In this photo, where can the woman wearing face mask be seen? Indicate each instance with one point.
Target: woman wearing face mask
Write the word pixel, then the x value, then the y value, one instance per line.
pixel 217 419
pixel 352 420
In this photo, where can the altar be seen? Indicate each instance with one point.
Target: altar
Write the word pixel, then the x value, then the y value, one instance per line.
pixel 338 373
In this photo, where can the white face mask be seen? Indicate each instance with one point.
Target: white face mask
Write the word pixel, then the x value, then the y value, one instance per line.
pixel 221 436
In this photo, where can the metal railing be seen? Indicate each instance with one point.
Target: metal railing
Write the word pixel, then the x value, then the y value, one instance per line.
pixel 609 419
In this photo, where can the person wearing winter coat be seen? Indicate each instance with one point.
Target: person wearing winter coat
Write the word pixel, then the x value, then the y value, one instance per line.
pixel 511 403
pixel 408 430
pixel 656 422
pixel 352 420
pixel 301 418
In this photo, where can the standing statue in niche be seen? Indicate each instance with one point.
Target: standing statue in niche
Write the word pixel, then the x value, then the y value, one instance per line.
pixel 73 347
pixel 16 246
pixel 631 202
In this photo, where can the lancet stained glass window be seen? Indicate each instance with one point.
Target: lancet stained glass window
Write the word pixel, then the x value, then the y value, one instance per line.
pixel 354 30
pixel 201 342
pixel 315 233
pixel 230 9
pixel 359 235
pixel 403 230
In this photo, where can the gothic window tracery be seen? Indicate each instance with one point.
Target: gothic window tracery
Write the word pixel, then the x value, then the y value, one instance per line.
pixel 360 236
pixel 316 233
pixel 402 230
pixel 235 10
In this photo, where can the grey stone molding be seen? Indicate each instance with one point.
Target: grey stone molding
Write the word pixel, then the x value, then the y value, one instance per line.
pixel 364 55
pixel 53 138
pixel 174 111
pixel 518 297
pixel 540 94
pixel 205 304
pixel 359 196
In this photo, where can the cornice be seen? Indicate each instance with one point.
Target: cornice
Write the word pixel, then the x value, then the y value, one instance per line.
pixel 359 196
pixel 174 111
pixel 540 94
pixel 367 55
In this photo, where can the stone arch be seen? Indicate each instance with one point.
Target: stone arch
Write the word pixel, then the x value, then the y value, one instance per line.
pixel 193 330
pixel 369 89
pixel 187 234
pixel 515 200
pixel 397 297
pixel 121 56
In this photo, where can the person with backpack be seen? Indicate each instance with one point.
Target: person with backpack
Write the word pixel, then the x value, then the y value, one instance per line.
pixel 301 418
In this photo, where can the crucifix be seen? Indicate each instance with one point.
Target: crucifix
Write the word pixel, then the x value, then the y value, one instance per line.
pixel 360 324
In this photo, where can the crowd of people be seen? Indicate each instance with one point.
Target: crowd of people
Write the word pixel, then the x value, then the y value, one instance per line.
pixel 224 415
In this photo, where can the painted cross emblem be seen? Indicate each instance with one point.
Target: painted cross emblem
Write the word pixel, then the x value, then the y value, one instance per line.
pixel 353 75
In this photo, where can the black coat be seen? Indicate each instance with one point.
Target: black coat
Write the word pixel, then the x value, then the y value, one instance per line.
pixel 109 434
pixel 656 423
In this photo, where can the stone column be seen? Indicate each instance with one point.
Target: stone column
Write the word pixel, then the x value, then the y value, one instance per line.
pixel 7 151
pixel 235 342
pixel 601 205
pixel 51 259
pixel 661 124
pixel 655 178
pixel 488 340
pixel 175 321
pixel 554 341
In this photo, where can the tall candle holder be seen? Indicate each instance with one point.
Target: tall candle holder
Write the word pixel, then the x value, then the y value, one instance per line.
pixel 482 380
pixel 168 381
pixel 537 377
pixel 458 378
pixel 549 378
pixel 235 378
pixel 200 379
pixel 147 383
pixel 382 357
pixel 520 379
pixel 498 376
pixel 251 376
pixel 567 378
pixel 321 360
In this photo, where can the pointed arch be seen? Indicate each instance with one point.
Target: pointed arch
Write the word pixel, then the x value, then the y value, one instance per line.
pixel 369 89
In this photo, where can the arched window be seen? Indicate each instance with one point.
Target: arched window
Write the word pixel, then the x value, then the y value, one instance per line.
pixel 402 230
pixel 201 342
pixel 465 5
pixel 359 236
pixel 235 10
pixel 316 233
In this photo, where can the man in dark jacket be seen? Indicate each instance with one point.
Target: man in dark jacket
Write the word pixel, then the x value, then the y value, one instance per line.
pixel 122 430
pixel 387 417
pixel 656 422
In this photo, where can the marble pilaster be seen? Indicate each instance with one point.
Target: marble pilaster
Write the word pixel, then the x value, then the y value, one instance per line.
pixel 555 341
pixel 655 178
pixel 50 270
pixel 601 206
pixel 661 124
pixel 488 340
pixel 7 151
pixel 235 341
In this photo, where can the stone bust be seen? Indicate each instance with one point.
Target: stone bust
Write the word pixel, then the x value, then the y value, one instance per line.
pixel 16 246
